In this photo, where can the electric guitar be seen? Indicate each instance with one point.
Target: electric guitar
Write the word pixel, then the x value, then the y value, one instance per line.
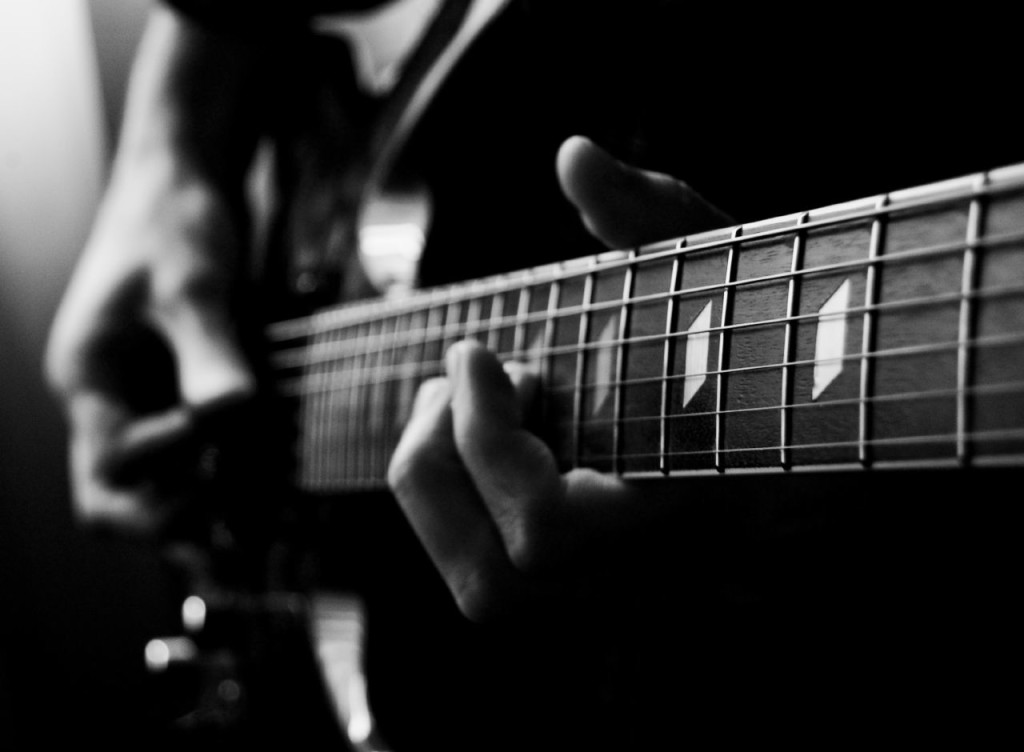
pixel 882 334
pixel 878 333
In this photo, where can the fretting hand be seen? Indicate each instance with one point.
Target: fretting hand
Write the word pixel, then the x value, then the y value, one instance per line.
pixel 509 534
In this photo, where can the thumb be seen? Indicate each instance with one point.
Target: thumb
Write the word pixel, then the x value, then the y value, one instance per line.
pixel 623 206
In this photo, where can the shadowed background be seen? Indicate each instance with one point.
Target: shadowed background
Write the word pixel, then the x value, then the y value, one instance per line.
pixel 76 611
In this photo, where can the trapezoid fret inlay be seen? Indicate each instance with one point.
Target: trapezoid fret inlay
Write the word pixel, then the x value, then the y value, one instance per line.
pixel 830 340
pixel 698 344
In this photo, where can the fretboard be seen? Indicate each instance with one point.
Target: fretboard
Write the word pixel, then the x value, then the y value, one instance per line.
pixel 887 332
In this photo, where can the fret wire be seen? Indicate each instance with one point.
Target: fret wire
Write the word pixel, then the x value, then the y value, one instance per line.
pixel 435 322
pixel 322 410
pixel 494 329
pixel 408 370
pixel 476 329
pixel 716 288
pixel 387 403
pixel 362 421
pixel 668 357
pixel 472 317
pixel 577 402
pixel 945 249
pixel 461 326
pixel 789 344
pixel 452 311
pixel 522 314
pixel 723 337
pixel 395 389
pixel 476 323
pixel 307 423
pixel 435 332
pixel 371 410
pixel 620 361
pixel 1009 388
pixel 416 366
pixel 425 298
pixel 366 410
pixel 339 461
pixel 546 366
pixel 966 323
pixel 868 333
pixel 314 411
pixel 374 412
pixel 327 460
pixel 997 340
pixel 510 281
pixel 346 455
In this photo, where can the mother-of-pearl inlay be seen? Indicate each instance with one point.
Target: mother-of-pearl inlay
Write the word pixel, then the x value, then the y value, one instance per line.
pixel 830 341
pixel 698 343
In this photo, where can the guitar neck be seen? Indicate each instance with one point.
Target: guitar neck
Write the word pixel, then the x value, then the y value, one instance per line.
pixel 887 332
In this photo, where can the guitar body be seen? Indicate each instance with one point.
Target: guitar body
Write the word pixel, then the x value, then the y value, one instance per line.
pixel 793 606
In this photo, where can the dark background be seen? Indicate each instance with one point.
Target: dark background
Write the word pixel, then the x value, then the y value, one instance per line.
pixel 76 611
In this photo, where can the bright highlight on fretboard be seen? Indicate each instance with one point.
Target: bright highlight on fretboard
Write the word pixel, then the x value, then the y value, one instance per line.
pixel 698 346
pixel 830 341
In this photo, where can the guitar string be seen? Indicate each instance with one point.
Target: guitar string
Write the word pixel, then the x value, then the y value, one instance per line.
pixel 340 349
pixel 384 444
pixel 906 351
pixel 347 375
pixel 653 253
pixel 320 322
pixel 1004 389
pixel 381 449
pixel 615 304
pixel 394 428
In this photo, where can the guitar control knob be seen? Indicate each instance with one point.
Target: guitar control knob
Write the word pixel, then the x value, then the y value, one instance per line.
pixel 193 614
pixel 164 653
